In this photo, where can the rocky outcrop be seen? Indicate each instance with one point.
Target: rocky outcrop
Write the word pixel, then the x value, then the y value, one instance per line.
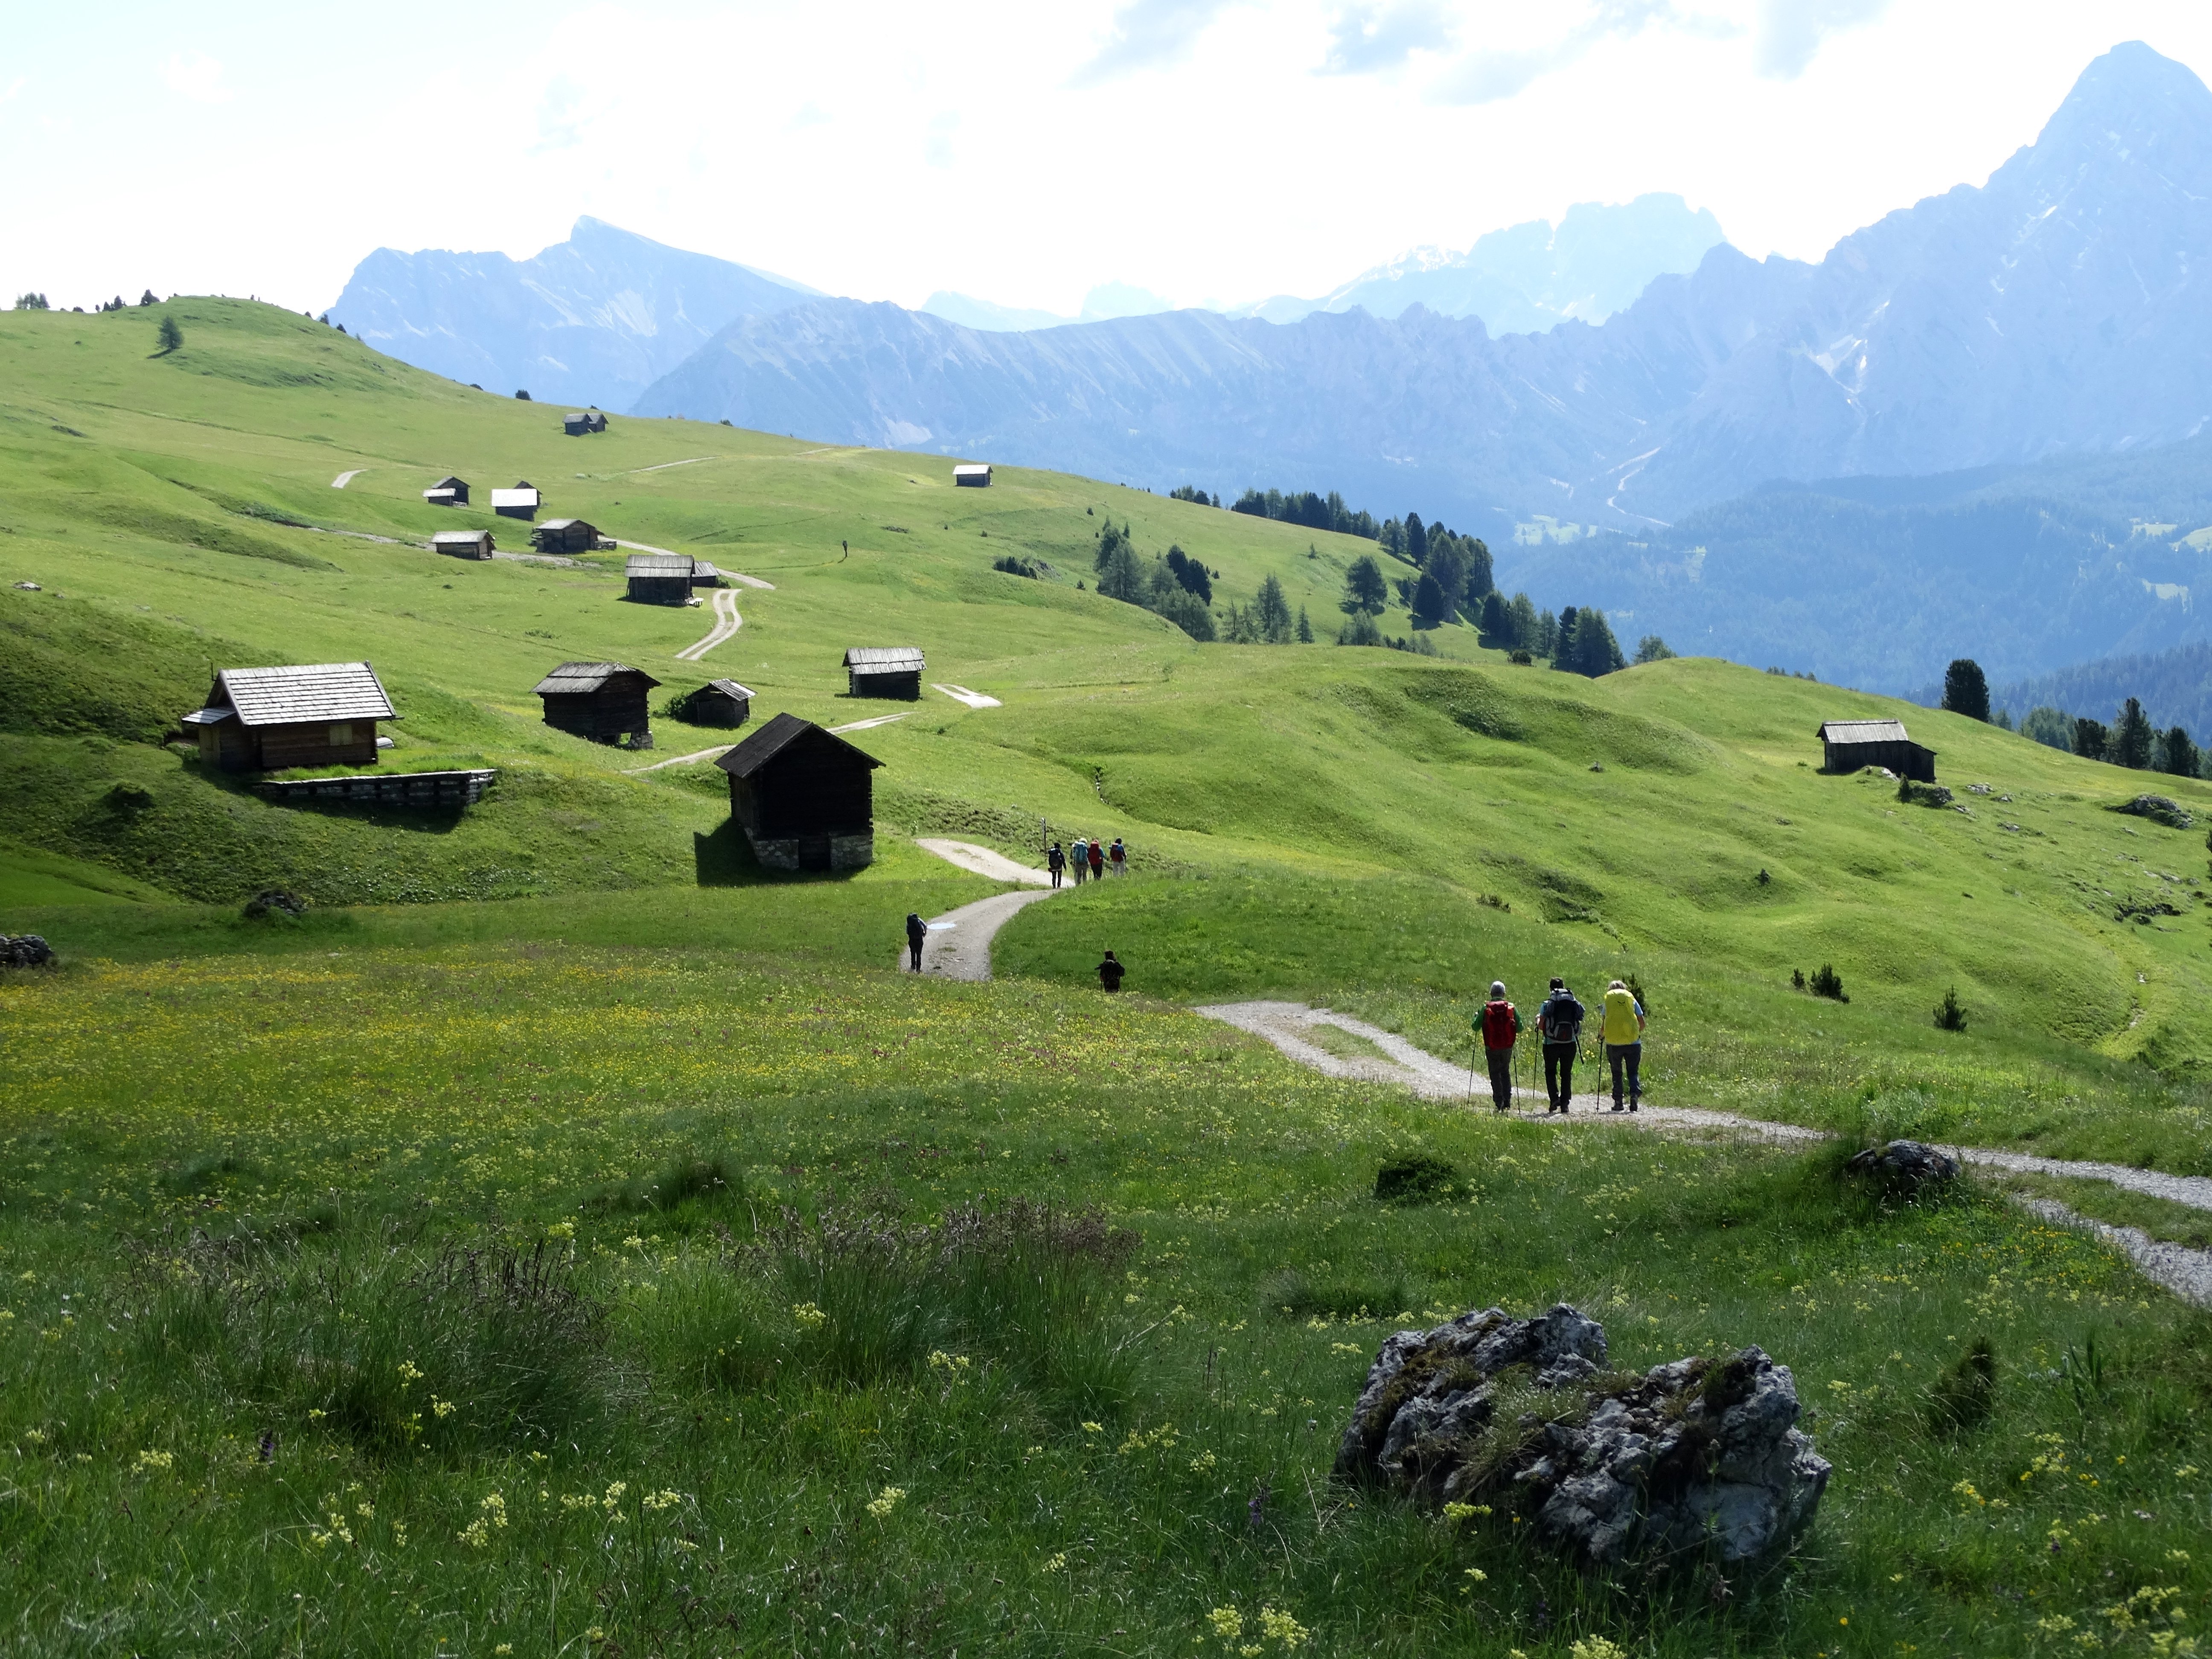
pixel 2159 809
pixel 1904 1166
pixel 1696 1458
pixel 25 951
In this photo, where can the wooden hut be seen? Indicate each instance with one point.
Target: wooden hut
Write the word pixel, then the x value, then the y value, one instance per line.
pixel 448 491
pixel 1850 745
pixel 519 502
pixel 464 543
pixel 884 671
pixel 660 578
pixel 264 719
pixel 601 700
pixel 575 425
pixel 719 702
pixel 972 476
pixel 804 797
pixel 568 536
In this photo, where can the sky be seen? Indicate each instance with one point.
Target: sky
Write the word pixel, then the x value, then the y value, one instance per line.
pixel 1214 151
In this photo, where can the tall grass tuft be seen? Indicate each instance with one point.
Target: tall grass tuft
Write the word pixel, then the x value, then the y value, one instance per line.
pixel 1965 1396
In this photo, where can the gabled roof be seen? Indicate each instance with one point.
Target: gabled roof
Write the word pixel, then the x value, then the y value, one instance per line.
pixel 449 481
pixel 573 677
pixel 312 691
pixel 520 496
pixel 1862 731
pixel 885 659
pixel 728 689
pixel 471 537
pixel 658 564
pixel 772 738
pixel 969 469
pixel 561 524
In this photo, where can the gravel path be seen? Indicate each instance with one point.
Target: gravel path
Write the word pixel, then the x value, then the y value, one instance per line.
pixel 961 694
pixel 959 942
pixel 679 760
pixel 727 622
pixel 862 725
pixel 983 861
pixel 345 478
pixel 2186 1273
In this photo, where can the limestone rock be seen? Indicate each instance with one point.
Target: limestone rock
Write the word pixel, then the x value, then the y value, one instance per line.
pixel 1695 1456
pixel 24 951
pixel 1905 1165
pixel 2160 808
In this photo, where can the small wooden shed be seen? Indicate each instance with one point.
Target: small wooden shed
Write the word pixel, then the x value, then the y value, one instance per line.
pixel 804 797
pixel 660 578
pixel 719 702
pixel 604 701
pixel 568 536
pixel 448 491
pixel 519 502
pixel 265 720
pixel 884 671
pixel 972 475
pixel 464 543
pixel 1850 745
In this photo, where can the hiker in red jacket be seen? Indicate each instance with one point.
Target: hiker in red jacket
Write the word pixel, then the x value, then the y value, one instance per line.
pixel 1500 1025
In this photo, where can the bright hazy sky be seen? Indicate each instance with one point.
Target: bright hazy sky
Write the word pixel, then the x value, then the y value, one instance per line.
pixel 1212 150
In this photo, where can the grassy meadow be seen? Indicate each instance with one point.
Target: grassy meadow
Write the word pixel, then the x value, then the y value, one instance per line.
pixel 568 1238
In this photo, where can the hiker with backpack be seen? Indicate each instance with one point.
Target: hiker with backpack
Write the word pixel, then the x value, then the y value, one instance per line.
pixel 1098 860
pixel 1560 1020
pixel 1117 858
pixel 1056 861
pixel 1622 1029
pixel 1109 972
pixel 1500 1025
pixel 917 931
pixel 1078 857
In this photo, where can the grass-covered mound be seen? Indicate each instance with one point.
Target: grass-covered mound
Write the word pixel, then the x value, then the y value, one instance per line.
pixel 545 1298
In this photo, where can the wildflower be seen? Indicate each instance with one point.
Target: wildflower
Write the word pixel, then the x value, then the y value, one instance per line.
pixel 807 1316
pixel 151 1462
pixel 408 1373
pixel 1456 1511
pixel 366 1510
pixel 1202 1462
pixel 1596 1647
pixel 1475 1576
pixel 1281 1627
pixel 1056 1563
pixel 1228 1623
pixel 662 1500
pixel 560 1230
pixel 885 1501
pixel 399 1534
pixel 1966 1489
pixel 633 1242
pixel 442 1408
pixel 504 1647
pixel 1094 1428
pixel 615 1490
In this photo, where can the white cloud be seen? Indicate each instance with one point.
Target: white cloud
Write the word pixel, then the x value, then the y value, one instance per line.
pixel 196 76
pixel 1487 74
pixel 938 152
pixel 1147 34
pixel 1364 39
pixel 14 87
pixel 1790 32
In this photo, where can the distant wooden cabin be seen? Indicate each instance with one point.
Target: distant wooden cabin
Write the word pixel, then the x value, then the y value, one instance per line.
pixel 577 425
pixel 447 492
pixel 568 536
pixel 601 700
pixel 519 502
pixel 464 543
pixel 719 702
pixel 972 476
pixel 884 671
pixel 804 797
pixel 660 577
pixel 265 720
pixel 1850 745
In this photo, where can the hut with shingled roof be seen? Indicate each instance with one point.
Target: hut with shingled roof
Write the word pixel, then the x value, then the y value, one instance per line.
pixel 604 702
pixel 884 671
pixel 804 797
pixel 267 719
pixel 1853 745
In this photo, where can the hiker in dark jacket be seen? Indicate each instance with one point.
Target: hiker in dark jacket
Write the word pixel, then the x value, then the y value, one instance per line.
pixel 917 931
pixel 1499 1024
pixel 1056 861
pixel 1560 1020
pixel 1109 973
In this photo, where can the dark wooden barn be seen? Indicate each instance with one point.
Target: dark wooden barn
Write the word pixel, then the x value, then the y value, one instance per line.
pixel 464 543
pixel 719 702
pixel 972 476
pixel 447 492
pixel 520 503
pixel 884 671
pixel 265 720
pixel 579 425
pixel 660 578
pixel 601 700
pixel 1850 745
pixel 804 798
pixel 568 536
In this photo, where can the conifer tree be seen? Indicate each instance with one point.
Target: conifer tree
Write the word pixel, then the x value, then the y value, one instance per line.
pixel 1966 688
pixel 1366 593
pixel 1305 633
pixel 2178 754
pixel 171 337
pixel 1271 612
pixel 2130 740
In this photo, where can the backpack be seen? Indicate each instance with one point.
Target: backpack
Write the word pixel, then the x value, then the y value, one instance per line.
pixel 1561 1018
pixel 1497 1021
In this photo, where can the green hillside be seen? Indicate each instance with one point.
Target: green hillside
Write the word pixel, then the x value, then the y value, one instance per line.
pixel 1667 820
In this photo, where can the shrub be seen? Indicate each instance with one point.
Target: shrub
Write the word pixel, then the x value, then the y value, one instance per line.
pixel 1949 1015
pixel 1521 659
pixel 1826 982
pixel 1419 1179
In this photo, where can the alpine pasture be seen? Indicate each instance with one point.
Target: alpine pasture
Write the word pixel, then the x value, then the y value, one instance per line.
pixel 566 1237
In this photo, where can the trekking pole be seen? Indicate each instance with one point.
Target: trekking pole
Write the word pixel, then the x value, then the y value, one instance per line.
pixel 1472 1044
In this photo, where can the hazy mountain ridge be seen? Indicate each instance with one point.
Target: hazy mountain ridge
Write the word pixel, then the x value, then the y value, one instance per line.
pixel 2175 687
pixel 594 319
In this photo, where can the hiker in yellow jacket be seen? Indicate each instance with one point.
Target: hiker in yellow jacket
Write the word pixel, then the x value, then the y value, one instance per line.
pixel 1622 1029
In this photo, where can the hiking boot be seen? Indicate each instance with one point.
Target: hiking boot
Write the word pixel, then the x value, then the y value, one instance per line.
pixel 1617 1107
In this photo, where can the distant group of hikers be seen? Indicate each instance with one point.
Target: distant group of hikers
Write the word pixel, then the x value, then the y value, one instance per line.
pixel 1087 860
pixel 1560 1024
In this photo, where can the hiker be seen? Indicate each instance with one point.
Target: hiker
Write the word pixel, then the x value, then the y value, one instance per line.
pixel 1560 1020
pixel 1097 861
pixel 1080 853
pixel 917 931
pixel 1499 1024
pixel 1118 856
pixel 1109 971
pixel 1056 861
pixel 1623 1032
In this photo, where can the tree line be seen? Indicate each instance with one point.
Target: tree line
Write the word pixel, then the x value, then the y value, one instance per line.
pixel 2131 739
